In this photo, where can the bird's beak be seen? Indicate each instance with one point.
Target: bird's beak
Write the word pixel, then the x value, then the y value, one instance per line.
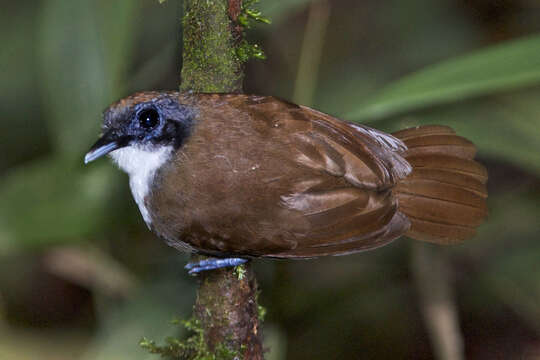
pixel 107 142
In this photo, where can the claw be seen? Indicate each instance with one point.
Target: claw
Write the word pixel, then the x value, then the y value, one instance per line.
pixel 212 264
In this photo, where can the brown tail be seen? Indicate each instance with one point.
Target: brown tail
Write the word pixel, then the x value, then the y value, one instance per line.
pixel 445 195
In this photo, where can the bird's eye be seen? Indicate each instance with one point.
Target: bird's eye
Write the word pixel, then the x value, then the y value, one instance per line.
pixel 148 118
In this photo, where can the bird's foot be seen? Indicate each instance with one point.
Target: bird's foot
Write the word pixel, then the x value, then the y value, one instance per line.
pixel 212 264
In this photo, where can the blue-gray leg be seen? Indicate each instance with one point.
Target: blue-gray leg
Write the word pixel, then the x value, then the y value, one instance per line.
pixel 213 263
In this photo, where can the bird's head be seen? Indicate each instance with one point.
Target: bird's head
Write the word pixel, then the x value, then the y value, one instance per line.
pixel 143 123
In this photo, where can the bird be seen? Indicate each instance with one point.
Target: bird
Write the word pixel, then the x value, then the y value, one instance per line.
pixel 236 177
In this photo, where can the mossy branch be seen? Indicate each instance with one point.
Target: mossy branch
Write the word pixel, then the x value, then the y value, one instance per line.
pixel 213 56
pixel 214 45
pixel 209 61
pixel 225 323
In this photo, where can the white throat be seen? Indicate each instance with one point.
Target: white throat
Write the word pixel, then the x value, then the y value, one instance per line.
pixel 141 165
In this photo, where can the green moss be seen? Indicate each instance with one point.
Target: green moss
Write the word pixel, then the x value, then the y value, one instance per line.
pixel 246 51
pixel 193 348
pixel 248 15
pixel 261 312
pixel 212 57
pixel 210 63
pixel 240 272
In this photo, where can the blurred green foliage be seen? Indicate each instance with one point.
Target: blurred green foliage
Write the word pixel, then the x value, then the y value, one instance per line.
pixel 473 65
pixel 512 65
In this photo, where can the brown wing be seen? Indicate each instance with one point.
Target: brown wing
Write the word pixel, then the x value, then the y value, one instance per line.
pixel 348 170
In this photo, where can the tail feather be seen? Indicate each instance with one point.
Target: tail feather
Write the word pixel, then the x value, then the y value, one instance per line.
pixel 445 196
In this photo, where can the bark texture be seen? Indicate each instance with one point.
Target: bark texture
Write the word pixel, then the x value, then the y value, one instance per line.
pixel 227 309
pixel 209 57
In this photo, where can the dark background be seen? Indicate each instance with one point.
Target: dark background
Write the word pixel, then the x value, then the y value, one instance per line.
pixel 82 278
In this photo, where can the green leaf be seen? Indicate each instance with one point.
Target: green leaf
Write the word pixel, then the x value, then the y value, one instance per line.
pixel 500 68
pixel 502 127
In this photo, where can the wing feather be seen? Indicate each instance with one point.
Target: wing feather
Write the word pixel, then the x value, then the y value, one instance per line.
pixel 347 205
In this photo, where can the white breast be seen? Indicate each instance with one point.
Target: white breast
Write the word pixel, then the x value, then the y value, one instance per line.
pixel 141 165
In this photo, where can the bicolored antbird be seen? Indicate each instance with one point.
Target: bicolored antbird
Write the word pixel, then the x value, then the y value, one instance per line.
pixel 239 176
